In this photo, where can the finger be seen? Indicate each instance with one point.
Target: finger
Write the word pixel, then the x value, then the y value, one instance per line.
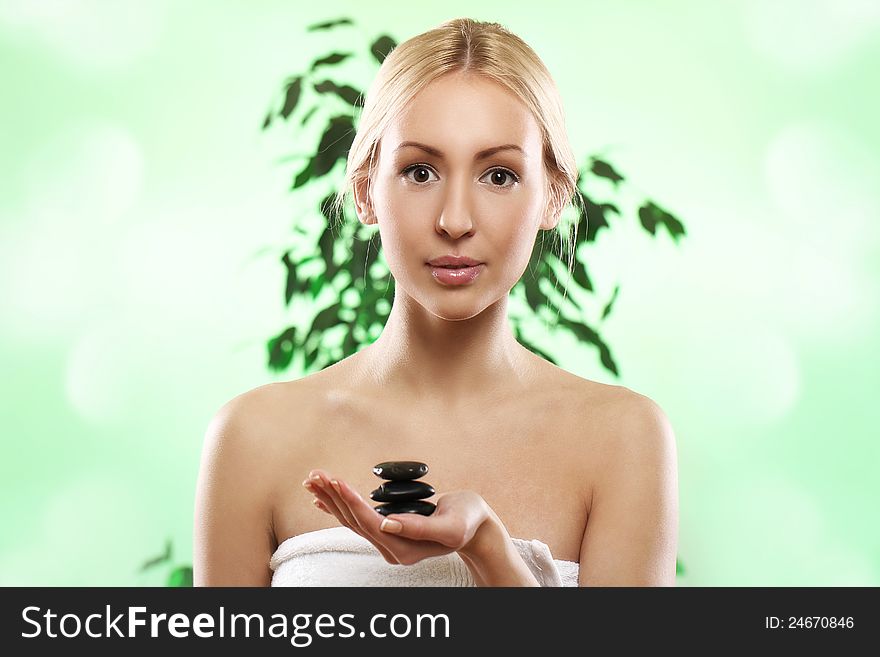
pixel 437 527
pixel 321 493
pixel 363 513
pixel 315 488
pixel 371 522
pixel 325 496
pixel 337 498
pixel 323 502
pixel 375 523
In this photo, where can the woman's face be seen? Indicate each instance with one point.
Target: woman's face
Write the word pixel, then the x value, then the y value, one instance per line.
pixel 450 200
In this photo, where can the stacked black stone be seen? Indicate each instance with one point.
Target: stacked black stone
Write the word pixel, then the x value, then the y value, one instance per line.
pixel 401 492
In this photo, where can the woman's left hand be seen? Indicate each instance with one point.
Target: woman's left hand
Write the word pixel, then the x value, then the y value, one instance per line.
pixel 450 528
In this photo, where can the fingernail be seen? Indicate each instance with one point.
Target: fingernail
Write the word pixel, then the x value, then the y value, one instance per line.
pixel 335 485
pixel 306 483
pixel 317 480
pixel 390 525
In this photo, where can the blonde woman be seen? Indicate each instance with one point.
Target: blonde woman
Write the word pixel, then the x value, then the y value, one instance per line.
pixel 543 478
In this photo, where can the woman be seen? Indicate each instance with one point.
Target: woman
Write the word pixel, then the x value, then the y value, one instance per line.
pixel 543 478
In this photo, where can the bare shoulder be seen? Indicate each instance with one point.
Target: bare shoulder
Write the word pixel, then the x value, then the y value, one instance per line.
pixel 641 421
pixel 619 411
pixel 593 404
pixel 236 425
pixel 267 409
pixel 631 535
pixel 632 421
pixel 612 422
pixel 232 532
pixel 640 444
pixel 251 441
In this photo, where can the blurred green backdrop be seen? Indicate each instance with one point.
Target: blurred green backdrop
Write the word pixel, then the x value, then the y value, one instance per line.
pixel 138 192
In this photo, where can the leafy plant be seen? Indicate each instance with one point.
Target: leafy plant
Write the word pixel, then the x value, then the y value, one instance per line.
pixel 180 576
pixel 354 271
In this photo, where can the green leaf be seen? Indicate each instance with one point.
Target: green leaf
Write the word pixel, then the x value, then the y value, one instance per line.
pixel 592 218
pixel 310 356
pixel 327 245
pixel 586 334
pixel 317 286
pixel 281 349
pixel 294 284
pixel 350 344
pixel 329 24
pixel 349 94
pixel 334 144
pixel 580 276
pixel 181 577
pixel 558 285
pixel 162 558
pixel 304 176
pixel 329 60
pixel 652 215
pixel 326 319
pixel 605 170
pixel 534 295
pixel 359 264
pixel 535 350
pixel 294 89
pixel 308 115
pixel 382 47
pixel 607 310
pixel 327 207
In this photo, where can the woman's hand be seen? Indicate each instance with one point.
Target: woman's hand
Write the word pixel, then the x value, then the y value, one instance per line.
pixel 403 538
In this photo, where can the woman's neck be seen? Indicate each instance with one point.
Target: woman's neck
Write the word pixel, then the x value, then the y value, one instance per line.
pixel 447 363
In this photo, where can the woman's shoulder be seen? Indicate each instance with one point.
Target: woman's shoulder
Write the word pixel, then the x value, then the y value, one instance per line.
pixel 587 394
pixel 628 421
pixel 286 419
pixel 611 412
pixel 257 417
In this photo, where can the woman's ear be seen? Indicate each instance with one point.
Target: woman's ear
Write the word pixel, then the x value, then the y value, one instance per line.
pixel 551 220
pixel 551 215
pixel 362 202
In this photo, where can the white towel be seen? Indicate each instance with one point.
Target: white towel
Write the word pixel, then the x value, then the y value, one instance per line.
pixel 337 556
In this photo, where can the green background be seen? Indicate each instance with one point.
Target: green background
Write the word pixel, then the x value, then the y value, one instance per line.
pixel 138 191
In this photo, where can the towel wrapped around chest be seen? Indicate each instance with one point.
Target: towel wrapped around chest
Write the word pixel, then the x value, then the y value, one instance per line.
pixel 337 556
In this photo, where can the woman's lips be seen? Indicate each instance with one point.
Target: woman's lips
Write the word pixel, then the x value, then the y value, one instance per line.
pixel 457 275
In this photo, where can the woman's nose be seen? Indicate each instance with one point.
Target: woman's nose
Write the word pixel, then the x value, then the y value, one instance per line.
pixel 456 226
pixel 455 217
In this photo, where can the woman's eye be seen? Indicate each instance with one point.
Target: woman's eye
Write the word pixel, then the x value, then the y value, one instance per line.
pixel 502 174
pixel 420 171
pixel 496 175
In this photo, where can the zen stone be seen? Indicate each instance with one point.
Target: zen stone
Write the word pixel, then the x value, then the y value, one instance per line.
pixel 402 491
pixel 400 470
pixel 418 506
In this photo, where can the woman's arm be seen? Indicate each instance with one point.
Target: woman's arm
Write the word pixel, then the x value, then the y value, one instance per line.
pixel 631 537
pixel 493 559
pixel 233 538
pixel 463 522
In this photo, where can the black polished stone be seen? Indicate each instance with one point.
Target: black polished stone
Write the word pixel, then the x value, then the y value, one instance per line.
pixel 402 491
pixel 418 506
pixel 400 470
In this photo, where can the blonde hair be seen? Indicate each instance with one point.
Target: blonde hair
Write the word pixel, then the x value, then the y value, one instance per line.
pixel 481 48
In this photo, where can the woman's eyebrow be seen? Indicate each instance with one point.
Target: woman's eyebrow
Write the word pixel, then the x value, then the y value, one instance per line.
pixel 482 155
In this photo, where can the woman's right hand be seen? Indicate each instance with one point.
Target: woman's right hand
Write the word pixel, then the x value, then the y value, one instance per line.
pixel 450 528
